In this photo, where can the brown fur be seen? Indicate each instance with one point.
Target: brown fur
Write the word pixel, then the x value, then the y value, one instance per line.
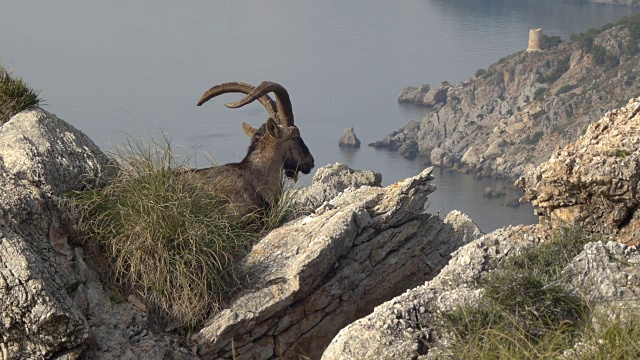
pixel 276 148
pixel 252 185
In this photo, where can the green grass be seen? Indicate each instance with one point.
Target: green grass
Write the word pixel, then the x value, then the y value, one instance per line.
pixel 157 232
pixel 526 313
pixel 561 67
pixel 15 95
pixel 621 153
pixel 566 88
pixel 612 338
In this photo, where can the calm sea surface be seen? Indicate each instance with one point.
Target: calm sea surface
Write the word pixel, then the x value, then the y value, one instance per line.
pixel 138 68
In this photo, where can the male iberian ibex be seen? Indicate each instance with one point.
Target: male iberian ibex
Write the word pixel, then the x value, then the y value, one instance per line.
pixel 254 183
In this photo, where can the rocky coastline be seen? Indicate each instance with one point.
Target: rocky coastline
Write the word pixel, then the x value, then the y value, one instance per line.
pixel 510 118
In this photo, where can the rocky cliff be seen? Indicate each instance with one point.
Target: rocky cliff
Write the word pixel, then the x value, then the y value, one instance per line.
pixel 511 117
pixel 592 184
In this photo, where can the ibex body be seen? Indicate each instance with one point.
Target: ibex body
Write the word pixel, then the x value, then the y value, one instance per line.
pixel 276 148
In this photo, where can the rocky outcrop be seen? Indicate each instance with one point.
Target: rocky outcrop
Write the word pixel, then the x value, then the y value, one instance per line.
pixel 400 328
pixel 595 181
pixel 316 275
pixel 42 158
pixel 413 94
pixel 592 184
pixel 328 182
pixel 436 96
pixel 424 95
pixel 52 305
pixel 511 118
pixel 349 138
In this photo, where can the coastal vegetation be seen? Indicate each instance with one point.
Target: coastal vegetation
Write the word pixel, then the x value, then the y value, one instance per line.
pixel 528 313
pixel 556 92
pixel 15 95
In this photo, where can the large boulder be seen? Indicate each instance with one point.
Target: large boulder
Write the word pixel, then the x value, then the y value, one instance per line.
pixel 594 181
pixel 436 96
pixel 41 159
pixel 312 277
pixel 328 182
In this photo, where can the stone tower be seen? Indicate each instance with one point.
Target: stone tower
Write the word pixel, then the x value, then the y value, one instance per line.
pixel 535 40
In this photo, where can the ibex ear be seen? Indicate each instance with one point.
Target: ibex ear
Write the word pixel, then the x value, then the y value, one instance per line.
pixel 248 129
pixel 272 128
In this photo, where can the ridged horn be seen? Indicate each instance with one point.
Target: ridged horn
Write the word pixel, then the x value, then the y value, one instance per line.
pixel 235 87
pixel 283 103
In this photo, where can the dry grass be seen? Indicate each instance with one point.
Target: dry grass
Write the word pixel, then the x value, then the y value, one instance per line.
pixel 526 312
pixel 15 95
pixel 160 233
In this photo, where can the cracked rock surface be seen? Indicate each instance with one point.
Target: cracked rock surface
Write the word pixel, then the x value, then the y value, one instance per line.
pixel 319 273
pixel 594 181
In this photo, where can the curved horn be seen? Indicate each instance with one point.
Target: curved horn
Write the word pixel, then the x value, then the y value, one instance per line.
pixel 234 87
pixel 283 103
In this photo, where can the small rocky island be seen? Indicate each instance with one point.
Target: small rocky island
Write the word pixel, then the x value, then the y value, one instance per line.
pixel 349 139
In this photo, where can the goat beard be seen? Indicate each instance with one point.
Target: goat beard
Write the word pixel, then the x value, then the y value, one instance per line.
pixel 291 174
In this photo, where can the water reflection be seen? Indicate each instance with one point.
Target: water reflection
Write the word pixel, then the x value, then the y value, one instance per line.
pixel 348 154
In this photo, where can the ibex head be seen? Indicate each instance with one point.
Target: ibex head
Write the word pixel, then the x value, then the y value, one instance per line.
pixel 297 156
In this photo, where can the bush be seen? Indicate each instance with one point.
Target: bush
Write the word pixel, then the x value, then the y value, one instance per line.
pixel 159 232
pixel 631 47
pixel 534 138
pixel 560 68
pixel 480 72
pixel 566 88
pixel 621 153
pixel 538 114
pixel 598 53
pixel 15 95
pixel 547 42
pixel 539 93
pixel 525 311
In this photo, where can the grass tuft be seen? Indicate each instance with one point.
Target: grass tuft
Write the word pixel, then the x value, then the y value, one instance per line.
pixel 526 313
pixel 158 232
pixel 15 95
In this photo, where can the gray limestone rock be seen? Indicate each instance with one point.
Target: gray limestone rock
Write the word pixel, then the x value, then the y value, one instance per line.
pixel 41 159
pixel 436 96
pixel 349 138
pixel 328 182
pixel 413 94
pixel 52 303
pixel 595 180
pixel 315 275
pixel 400 328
